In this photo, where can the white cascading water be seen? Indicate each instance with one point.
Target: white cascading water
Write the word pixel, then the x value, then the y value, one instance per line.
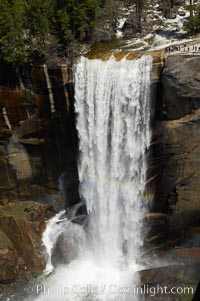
pixel 113 123
pixel 54 229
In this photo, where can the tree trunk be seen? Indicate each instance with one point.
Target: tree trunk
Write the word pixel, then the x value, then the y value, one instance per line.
pixel 191 11
pixel 139 15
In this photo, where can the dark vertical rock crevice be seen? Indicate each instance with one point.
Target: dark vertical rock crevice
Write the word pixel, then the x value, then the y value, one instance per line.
pixel 70 179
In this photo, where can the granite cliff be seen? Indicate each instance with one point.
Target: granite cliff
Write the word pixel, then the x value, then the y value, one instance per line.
pixel 38 147
pixel 38 170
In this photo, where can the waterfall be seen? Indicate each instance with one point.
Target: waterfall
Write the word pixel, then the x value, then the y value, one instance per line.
pixel 112 102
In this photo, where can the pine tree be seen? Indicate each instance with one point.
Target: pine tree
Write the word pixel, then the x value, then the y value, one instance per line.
pixel 30 29
pixel 192 25
pixel 39 14
pixel 12 34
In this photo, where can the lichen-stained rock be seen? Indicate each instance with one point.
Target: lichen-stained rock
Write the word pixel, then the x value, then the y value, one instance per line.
pixel 21 252
pixel 26 241
pixel 21 225
pixel 181 85
pixel 8 259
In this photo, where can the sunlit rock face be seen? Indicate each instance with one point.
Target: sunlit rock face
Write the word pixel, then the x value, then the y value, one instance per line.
pixel 177 136
pixel 180 82
pixel 176 150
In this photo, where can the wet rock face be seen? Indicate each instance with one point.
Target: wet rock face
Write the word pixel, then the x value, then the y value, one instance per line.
pixel 37 132
pixel 164 279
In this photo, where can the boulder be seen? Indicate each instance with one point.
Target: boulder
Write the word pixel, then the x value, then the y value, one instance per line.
pixel 130 27
pixel 182 13
pixel 180 2
pixel 102 35
pixel 171 16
